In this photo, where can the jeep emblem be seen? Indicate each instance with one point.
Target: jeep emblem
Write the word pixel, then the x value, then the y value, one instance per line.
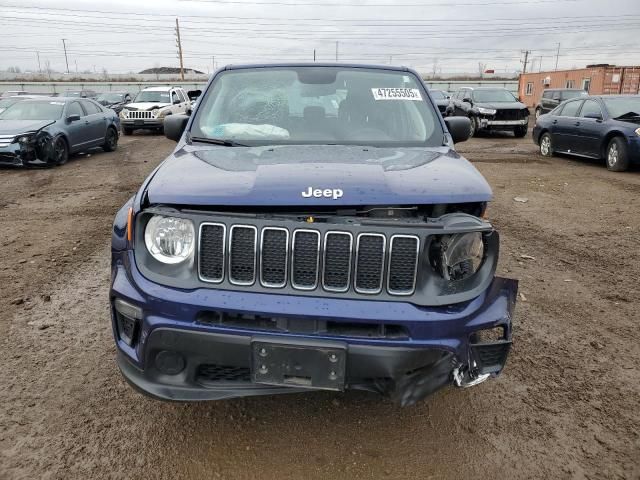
pixel 334 193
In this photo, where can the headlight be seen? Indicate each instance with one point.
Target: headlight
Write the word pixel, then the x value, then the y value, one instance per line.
pixel 124 113
pixel 638 131
pixel 154 112
pixel 25 138
pixel 486 111
pixel 458 256
pixel 169 239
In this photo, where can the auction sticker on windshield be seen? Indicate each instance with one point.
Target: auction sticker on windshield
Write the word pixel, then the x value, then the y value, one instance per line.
pixel 396 94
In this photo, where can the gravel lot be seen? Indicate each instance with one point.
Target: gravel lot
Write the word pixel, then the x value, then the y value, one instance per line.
pixel 567 405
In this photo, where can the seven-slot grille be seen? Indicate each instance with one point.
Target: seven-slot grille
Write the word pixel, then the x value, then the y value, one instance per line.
pixel 304 259
pixel 140 114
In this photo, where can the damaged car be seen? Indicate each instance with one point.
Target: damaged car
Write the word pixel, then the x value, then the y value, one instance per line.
pixel 150 107
pixel 491 109
pixel 114 100
pixel 314 229
pixel 46 131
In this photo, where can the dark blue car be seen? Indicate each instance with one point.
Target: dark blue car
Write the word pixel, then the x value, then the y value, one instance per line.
pixel 604 127
pixel 314 229
pixel 45 131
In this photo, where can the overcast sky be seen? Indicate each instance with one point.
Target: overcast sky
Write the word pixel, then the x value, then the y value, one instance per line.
pixel 448 36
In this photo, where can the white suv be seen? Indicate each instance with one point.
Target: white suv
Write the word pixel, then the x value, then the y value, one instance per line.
pixel 150 107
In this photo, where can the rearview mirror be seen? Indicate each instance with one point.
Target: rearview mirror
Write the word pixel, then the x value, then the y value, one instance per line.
pixel 459 128
pixel 73 118
pixel 174 126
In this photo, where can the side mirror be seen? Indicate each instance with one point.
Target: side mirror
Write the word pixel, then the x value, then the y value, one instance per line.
pixel 73 118
pixel 467 100
pixel 459 128
pixel 193 94
pixel 174 126
pixel 594 115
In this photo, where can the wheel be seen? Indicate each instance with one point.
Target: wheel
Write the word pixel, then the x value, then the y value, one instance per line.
pixel 474 126
pixel 546 149
pixel 110 140
pixel 127 130
pixel 60 153
pixel 538 113
pixel 520 131
pixel 617 155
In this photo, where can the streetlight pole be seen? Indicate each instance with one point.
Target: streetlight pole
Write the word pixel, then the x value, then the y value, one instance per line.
pixel 64 45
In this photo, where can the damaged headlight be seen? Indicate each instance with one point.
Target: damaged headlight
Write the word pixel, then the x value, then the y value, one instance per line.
pixel 169 240
pixel 458 256
pixel 25 138
pixel 487 111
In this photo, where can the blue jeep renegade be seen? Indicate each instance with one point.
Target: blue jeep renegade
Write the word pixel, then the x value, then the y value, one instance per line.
pixel 314 229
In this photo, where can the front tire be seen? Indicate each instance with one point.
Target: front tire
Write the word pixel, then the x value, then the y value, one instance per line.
pixel 110 140
pixel 521 131
pixel 546 147
pixel 473 129
pixel 60 153
pixel 617 156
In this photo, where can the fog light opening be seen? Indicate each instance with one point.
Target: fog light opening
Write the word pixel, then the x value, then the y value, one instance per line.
pixel 127 318
pixel 489 335
pixel 169 363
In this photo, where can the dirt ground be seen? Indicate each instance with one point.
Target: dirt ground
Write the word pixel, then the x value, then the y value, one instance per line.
pixel 567 405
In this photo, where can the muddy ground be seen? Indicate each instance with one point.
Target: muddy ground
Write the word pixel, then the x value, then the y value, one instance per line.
pixel 567 405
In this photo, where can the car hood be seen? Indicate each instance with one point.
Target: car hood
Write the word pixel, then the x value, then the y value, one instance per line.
pixel 501 105
pixel 146 105
pixel 279 175
pixel 16 127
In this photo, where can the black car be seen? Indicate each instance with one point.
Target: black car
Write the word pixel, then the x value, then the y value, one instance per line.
pixel 595 127
pixel 491 109
pixel 442 101
pixel 44 132
pixel 114 100
pixel 552 97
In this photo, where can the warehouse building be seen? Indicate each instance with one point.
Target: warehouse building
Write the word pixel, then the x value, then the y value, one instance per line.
pixel 600 79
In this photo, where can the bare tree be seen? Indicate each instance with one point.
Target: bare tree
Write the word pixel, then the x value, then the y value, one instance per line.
pixel 105 74
pixel 481 69
pixel 47 68
pixel 435 68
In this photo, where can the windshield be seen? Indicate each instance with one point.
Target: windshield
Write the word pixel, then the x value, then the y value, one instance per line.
pixel 497 96
pixel 574 93
pixel 33 111
pixel 318 105
pixel 7 102
pixel 437 95
pixel 152 97
pixel 110 97
pixel 623 106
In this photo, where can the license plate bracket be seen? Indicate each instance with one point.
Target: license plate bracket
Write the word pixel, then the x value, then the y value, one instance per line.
pixel 138 122
pixel 313 366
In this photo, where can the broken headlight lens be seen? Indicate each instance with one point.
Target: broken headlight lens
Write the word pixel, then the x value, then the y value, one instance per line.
pixel 169 240
pixel 458 256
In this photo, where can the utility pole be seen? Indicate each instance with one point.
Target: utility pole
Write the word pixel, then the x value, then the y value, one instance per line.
pixel 540 64
pixel 64 45
pixel 557 55
pixel 76 66
pixel 38 55
pixel 314 54
pixel 526 60
pixel 336 51
pixel 179 45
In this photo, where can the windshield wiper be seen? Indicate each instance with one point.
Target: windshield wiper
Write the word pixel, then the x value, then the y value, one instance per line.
pixel 218 141
pixel 627 115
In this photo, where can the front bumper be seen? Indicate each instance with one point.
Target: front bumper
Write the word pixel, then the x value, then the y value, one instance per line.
pixel 142 122
pixel 440 346
pixel 15 155
pixel 502 124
